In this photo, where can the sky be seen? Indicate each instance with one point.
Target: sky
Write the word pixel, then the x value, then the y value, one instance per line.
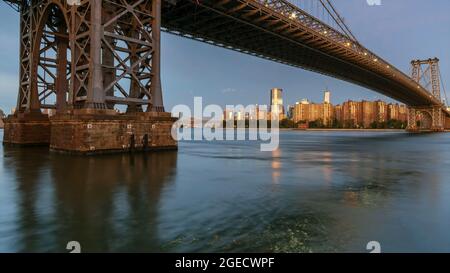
pixel 397 30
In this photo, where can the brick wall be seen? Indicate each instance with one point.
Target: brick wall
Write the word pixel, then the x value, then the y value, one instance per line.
pixel 26 131
pixel 98 134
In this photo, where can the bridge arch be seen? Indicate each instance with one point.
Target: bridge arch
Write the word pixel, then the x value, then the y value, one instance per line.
pixel 50 47
pixel 424 120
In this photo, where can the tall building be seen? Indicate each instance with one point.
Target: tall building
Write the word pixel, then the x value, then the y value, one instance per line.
pixel 403 113
pixel 327 97
pixel 369 113
pixel 301 111
pixel 276 102
pixel 382 111
pixel 351 114
pixel 328 113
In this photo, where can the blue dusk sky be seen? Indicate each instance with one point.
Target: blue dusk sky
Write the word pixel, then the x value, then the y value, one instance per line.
pixel 398 30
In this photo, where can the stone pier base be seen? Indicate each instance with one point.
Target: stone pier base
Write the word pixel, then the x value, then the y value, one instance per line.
pixel 447 123
pixel 92 131
pixel 87 132
pixel 26 129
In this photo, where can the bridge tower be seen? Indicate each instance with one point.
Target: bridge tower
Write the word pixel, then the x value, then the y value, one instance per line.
pixel 82 61
pixel 427 117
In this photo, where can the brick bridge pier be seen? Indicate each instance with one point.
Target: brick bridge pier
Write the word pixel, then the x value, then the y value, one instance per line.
pixel 82 61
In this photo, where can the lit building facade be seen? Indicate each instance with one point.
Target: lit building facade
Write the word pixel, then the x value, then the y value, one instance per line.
pixel 276 103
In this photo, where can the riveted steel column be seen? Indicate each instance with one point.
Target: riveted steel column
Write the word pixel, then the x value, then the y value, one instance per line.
pixel 61 75
pixel 156 89
pixel 96 94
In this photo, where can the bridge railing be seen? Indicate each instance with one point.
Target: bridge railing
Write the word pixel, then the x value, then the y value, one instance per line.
pixel 286 8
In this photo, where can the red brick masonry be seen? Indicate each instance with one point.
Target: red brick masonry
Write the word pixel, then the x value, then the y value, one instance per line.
pixel 27 129
pixel 99 131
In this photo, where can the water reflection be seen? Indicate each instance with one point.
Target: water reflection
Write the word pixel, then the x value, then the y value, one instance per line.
pixel 318 192
pixel 106 202
pixel 276 166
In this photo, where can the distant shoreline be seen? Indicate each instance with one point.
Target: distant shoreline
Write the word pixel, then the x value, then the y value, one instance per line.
pixel 347 130
pixel 342 130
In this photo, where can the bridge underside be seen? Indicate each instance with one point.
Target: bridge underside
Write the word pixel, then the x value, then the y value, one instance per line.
pixel 249 27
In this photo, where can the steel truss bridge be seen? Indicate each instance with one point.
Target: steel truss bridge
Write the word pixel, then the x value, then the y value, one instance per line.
pixel 115 50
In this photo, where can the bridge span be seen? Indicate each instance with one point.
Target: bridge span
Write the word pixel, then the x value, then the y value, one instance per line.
pixel 279 31
pixel 83 57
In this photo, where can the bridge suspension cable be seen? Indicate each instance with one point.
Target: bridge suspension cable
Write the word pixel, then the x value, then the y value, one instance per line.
pixel 443 88
pixel 326 12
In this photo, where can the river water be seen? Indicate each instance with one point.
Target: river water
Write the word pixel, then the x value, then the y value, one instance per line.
pixel 319 192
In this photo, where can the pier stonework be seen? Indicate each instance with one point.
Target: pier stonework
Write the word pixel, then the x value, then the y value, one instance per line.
pixel 89 132
pixel 27 129
pixel 84 60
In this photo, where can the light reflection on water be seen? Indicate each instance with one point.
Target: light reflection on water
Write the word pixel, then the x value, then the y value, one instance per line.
pixel 321 191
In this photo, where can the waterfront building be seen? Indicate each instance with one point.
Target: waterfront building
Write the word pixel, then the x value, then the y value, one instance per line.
pixel 262 113
pixel 393 111
pixel 382 111
pixel 351 114
pixel 403 113
pixel 327 97
pixel 328 113
pixel 368 113
pixel 276 103
pixel 301 111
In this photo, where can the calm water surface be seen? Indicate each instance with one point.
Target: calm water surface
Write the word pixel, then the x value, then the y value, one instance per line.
pixel 321 191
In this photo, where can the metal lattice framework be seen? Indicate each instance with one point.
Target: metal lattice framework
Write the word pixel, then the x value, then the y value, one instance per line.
pixel 92 54
pixel 426 73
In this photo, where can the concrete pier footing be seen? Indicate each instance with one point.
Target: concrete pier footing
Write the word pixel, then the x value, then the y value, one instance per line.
pixel 88 131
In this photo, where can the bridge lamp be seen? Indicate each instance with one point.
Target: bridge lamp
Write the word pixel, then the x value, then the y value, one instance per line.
pixel 365 53
pixel 293 15
pixel 375 60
